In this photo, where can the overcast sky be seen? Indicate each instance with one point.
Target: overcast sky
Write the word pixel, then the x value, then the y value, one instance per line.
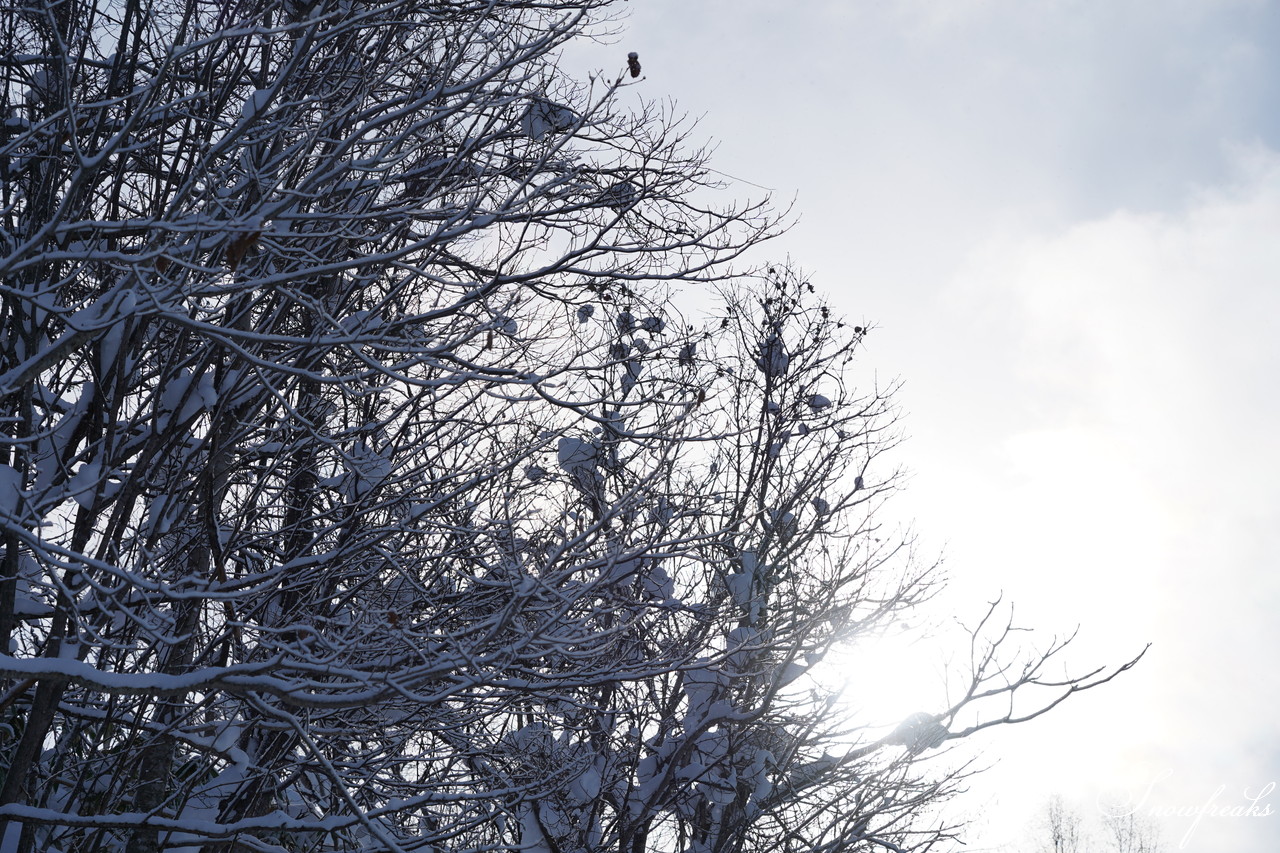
pixel 1062 217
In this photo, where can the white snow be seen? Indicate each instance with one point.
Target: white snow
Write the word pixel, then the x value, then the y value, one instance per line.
pixel 739 585
pixel 545 117
pixel 574 454
pixel 82 483
pixel 632 375
pixel 620 196
pixel 817 401
pixel 773 359
pixel 255 103
pixel 587 786
pixel 653 325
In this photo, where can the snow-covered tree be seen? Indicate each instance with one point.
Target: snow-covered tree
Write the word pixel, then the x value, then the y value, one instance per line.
pixel 362 485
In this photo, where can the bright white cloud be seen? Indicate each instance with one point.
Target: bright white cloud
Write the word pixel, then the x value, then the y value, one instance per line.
pixel 1135 483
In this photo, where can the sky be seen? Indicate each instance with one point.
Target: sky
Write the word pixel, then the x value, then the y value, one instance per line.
pixel 1062 220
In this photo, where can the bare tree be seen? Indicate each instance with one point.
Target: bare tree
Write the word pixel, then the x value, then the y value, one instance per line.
pixel 1130 832
pixel 364 487
pixel 1063 828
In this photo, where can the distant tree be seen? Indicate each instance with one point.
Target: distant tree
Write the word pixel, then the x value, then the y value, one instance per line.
pixel 1130 833
pixel 1062 829
pixel 363 486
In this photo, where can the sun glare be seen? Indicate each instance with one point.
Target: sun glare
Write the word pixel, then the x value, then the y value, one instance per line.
pixel 888 678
